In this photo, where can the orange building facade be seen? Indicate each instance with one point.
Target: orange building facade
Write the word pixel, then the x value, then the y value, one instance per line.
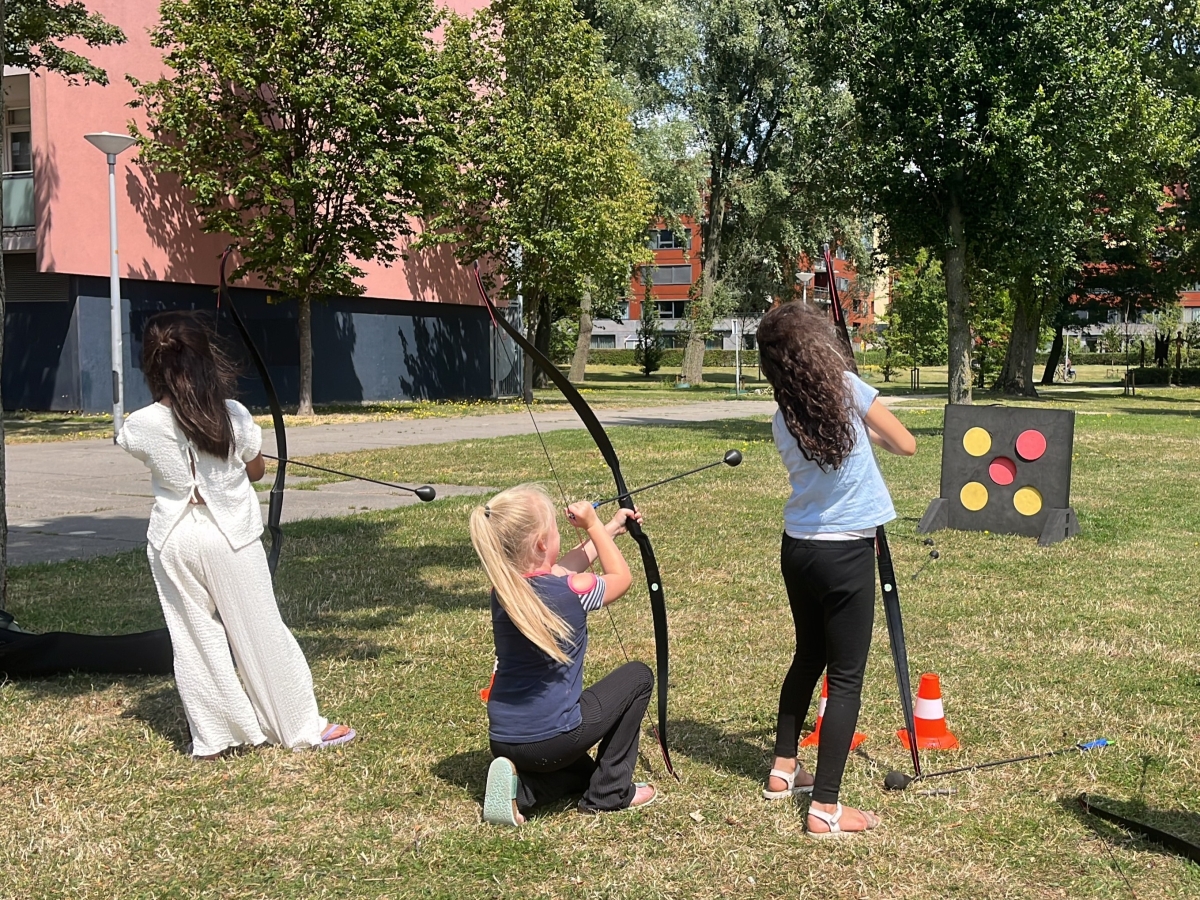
pixel 676 270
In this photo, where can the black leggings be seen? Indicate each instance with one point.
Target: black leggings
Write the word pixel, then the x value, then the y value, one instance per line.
pixel 831 589
pixel 612 711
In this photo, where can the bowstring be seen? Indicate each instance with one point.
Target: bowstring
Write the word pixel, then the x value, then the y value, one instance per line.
pixel 557 481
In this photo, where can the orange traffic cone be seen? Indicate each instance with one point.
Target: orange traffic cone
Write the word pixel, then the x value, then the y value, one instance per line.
pixel 814 739
pixel 932 733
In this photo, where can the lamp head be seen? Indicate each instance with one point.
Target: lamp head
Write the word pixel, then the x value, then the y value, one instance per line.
pixel 107 142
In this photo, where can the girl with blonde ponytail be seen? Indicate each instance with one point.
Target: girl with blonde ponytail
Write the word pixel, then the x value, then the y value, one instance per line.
pixel 541 721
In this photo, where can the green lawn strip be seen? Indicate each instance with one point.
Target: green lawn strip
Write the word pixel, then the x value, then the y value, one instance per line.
pixel 1037 648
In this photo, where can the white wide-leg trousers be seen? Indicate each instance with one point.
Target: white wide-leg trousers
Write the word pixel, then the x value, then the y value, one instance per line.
pixel 221 611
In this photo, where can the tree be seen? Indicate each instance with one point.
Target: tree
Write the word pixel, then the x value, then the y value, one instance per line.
pixel 985 130
pixel 29 34
pixel 917 313
pixel 649 346
pixel 307 130
pixel 542 179
pixel 744 85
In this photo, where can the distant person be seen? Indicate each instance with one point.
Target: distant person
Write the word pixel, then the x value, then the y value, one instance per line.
pixel 202 449
pixel 541 722
pixel 826 421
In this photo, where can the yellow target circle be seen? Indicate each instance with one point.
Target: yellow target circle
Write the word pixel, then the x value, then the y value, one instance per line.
pixel 977 441
pixel 1028 501
pixel 974 496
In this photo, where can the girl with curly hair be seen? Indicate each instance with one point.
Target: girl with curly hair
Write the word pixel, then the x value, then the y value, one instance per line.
pixel 827 419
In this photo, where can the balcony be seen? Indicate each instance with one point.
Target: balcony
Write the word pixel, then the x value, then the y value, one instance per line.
pixel 19 218
pixel 18 200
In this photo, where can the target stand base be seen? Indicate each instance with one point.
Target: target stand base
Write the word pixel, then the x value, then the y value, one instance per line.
pixel 936 517
pixel 1060 525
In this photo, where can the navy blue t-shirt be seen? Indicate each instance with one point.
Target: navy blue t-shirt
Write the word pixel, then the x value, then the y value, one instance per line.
pixel 535 697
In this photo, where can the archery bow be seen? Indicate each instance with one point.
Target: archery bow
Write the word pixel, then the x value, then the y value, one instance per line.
pixel 275 505
pixel 658 603
pixel 887 571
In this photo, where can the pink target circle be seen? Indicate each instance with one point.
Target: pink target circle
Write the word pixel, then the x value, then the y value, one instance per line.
pixel 1002 470
pixel 1031 445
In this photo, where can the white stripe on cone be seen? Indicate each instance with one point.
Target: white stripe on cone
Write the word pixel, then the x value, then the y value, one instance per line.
pixel 929 709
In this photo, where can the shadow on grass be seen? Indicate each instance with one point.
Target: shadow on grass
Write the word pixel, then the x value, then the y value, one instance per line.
pixel 1186 413
pixel 162 711
pixel 730 752
pixel 468 770
pixel 1182 828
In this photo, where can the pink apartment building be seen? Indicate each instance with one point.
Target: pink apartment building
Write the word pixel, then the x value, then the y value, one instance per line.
pixel 417 332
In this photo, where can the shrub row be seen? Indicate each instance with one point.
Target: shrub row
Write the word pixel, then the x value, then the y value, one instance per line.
pixel 1145 377
pixel 673 358
pixel 670 358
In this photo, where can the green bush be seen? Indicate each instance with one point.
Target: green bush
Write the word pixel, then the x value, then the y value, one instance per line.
pixel 1149 376
pixel 1096 359
pixel 670 358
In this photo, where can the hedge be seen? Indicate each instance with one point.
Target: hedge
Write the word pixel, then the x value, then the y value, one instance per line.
pixel 1148 376
pixel 673 358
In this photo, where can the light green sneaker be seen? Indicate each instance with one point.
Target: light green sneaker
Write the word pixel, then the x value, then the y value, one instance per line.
pixel 500 798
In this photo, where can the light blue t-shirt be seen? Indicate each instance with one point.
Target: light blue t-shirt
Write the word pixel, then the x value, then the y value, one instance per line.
pixel 850 498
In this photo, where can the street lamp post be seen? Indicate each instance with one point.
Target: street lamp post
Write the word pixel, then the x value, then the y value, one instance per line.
pixel 111 145
pixel 804 278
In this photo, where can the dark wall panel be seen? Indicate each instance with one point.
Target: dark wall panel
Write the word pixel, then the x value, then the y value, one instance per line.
pixel 363 350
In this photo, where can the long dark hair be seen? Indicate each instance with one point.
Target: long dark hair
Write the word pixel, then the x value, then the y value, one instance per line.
pixel 182 361
pixel 802 358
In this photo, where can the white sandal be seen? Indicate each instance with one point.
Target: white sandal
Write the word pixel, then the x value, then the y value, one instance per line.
pixel 832 819
pixel 788 778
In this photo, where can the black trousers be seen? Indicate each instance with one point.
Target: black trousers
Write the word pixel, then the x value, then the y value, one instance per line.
pixel 612 711
pixel 831 589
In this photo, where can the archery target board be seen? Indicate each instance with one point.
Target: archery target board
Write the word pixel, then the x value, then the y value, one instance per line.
pixel 1005 469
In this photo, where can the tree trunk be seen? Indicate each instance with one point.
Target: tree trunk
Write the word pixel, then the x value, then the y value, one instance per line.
pixel 958 326
pixel 584 342
pixel 306 368
pixel 700 309
pixel 1056 350
pixel 1016 378
pixel 3 296
pixel 541 339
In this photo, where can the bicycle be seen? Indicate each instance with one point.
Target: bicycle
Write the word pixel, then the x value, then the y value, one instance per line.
pixel 1065 373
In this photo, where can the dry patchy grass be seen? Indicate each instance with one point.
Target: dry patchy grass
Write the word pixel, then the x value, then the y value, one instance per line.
pixel 1037 648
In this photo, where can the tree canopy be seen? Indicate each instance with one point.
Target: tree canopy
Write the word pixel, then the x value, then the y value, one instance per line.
pixel 308 130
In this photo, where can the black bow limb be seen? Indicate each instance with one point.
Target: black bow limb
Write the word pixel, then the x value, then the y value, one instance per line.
pixel 887 571
pixel 275 501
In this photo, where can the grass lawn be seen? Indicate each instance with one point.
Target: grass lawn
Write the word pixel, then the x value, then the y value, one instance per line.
pixel 1037 648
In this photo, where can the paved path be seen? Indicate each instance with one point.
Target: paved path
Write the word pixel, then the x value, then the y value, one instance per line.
pixel 79 499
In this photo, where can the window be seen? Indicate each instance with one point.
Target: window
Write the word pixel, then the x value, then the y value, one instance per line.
pixel 665 239
pixel 18 148
pixel 843 285
pixel 1191 314
pixel 672 309
pixel 668 274
pixel 839 253
pixel 603 342
pixel 715 342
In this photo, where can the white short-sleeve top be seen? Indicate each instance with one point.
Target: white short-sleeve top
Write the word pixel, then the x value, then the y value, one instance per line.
pixel 178 469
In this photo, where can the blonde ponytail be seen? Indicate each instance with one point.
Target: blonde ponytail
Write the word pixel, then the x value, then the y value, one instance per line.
pixel 504 534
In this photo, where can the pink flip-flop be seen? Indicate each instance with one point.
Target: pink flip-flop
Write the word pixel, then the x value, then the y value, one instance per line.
pixel 346 738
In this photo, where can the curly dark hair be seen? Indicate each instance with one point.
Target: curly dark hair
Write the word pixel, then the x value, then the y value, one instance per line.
pixel 183 360
pixel 802 358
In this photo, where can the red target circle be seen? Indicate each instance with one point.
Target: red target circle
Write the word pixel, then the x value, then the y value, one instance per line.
pixel 1031 445
pixel 1002 470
